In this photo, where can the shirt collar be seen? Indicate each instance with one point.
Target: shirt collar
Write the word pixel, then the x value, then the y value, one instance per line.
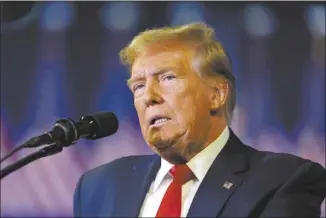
pixel 200 163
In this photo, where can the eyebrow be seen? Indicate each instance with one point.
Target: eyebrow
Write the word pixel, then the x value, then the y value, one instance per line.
pixel 134 79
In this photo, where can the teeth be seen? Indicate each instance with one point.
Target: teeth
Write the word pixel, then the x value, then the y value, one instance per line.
pixel 160 120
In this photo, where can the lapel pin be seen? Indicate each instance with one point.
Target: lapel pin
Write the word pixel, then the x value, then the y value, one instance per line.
pixel 227 185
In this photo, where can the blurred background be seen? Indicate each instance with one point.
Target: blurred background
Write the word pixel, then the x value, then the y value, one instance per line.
pixel 60 59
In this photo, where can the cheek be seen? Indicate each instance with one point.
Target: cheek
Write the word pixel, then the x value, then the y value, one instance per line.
pixel 140 111
pixel 192 108
pixel 185 109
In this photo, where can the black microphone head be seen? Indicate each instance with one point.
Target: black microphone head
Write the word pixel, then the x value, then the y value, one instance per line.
pixel 105 124
pixel 12 11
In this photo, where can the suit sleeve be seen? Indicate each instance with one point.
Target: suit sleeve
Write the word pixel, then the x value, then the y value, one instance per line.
pixel 77 207
pixel 301 195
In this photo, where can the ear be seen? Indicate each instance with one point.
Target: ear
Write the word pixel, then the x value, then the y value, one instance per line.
pixel 219 94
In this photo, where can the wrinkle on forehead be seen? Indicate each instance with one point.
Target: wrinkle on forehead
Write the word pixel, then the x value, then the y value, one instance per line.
pixel 155 59
pixel 155 62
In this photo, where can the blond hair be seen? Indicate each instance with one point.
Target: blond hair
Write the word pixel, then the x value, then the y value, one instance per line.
pixel 214 59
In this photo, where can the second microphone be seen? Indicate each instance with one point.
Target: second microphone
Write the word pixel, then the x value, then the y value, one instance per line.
pixel 66 131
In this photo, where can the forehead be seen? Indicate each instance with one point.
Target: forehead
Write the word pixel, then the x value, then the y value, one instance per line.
pixel 153 62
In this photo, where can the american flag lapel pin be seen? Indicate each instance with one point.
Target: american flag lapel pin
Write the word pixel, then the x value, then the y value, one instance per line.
pixel 227 185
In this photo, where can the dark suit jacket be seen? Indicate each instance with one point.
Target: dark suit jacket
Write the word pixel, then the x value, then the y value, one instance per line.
pixel 265 184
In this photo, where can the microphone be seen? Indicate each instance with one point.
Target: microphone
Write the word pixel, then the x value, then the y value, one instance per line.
pixel 12 11
pixel 66 131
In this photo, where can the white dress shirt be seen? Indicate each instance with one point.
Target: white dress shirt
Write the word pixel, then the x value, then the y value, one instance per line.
pixel 199 165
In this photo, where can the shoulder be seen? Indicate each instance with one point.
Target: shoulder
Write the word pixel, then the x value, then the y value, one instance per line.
pixel 268 162
pixel 284 160
pixel 118 167
pixel 283 165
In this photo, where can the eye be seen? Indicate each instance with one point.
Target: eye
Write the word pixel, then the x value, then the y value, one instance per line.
pixel 169 77
pixel 137 87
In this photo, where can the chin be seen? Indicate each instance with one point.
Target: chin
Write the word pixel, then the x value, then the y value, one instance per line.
pixel 160 144
pixel 167 149
pixel 172 156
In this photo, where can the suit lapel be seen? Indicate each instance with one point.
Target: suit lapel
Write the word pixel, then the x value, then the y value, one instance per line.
pixel 132 191
pixel 222 179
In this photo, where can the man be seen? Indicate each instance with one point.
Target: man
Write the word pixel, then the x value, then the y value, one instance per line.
pixel 184 94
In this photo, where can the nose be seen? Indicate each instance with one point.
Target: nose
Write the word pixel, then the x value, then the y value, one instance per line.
pixel 152 95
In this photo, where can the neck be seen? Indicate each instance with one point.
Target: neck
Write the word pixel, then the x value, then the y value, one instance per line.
pixel 218 126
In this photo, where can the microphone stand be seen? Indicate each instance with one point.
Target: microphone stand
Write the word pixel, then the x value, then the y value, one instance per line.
pixel 44 152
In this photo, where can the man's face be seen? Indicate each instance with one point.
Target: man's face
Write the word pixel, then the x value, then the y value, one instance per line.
pixel 172 103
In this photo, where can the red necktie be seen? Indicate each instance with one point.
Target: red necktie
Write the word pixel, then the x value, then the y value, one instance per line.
pixel 171 202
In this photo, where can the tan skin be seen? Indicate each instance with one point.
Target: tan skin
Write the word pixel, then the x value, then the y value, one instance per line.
pixel 164 84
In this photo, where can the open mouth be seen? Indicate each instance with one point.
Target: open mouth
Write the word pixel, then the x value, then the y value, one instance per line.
pixel 158 121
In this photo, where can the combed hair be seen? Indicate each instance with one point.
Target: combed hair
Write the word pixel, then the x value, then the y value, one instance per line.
pixel 214 60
